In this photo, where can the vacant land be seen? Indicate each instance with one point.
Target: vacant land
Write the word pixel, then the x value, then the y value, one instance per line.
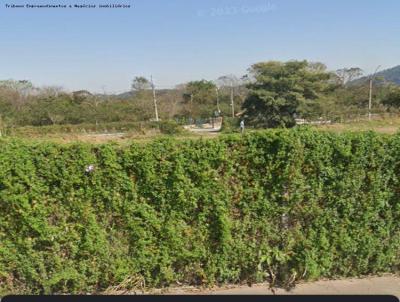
pixel 389 125
pixel 117 137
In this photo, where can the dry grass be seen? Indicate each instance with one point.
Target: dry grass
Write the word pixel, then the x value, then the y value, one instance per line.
pixel 119 138
pixel 381 125
pixel 131 285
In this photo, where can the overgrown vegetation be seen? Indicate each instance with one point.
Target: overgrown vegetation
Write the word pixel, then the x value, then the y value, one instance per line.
pixel 281 206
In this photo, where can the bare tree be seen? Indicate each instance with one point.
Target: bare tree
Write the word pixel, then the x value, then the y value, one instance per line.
pixel 229 82
pixel 51 90
pixel 346 75
pixel 235 87
pixel 22 89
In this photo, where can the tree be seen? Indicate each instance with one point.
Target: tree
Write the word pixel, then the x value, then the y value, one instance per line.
pixel 93 102
pixel 21 88
pixel 201 98
pixel 280 91
pixel 170 103
pixel 346 75
pixel 80 96
pixel 47 110
pixel 392 97
pixel 51 90
pixel 233 90
pixel 143 97
pixel 140 84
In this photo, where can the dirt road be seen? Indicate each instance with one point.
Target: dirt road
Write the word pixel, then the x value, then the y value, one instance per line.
pixel 206 128
pixel 386 285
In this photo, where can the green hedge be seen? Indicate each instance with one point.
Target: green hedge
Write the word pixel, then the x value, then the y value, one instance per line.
pixel 279 206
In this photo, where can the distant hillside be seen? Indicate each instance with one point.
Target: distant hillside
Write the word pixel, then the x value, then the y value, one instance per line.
pixel 125 95
pixel 390 75
pixel 131 94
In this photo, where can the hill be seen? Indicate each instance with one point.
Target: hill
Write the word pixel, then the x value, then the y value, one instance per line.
pixel 390 75
pixel 131 94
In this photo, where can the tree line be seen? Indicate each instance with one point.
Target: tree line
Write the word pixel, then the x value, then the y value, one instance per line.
pixel 272 94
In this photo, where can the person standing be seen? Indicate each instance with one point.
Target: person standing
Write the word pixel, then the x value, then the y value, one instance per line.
pixel 242 126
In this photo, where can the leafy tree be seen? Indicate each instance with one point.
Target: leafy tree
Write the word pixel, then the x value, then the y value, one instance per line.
pixel 143 103
pixel 201 97
pixel 392 98
pixel 280 91
pixel 46 110
pixel 203 91
pixel 81 96
pixel 140 84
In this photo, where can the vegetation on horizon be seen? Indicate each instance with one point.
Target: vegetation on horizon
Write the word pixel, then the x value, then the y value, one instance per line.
pixel 273 94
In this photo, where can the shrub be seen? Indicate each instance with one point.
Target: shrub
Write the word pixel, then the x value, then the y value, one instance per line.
pixel 170 127
pixel 273 206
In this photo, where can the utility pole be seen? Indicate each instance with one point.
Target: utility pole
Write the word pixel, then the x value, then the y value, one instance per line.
pixel 154 99
pixel 232 103
pixel 371 80
pixel 217 91
pixel 191 107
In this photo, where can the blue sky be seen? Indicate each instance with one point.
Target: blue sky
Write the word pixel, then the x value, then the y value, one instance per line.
pixel 182 40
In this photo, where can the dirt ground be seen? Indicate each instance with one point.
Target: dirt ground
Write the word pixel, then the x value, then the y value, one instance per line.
pixel 385 285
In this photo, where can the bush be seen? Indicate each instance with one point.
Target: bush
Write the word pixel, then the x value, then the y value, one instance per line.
pixel 170 127
pixel 272 206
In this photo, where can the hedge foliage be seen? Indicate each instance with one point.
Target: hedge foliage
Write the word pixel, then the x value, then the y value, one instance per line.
pixel 278 206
